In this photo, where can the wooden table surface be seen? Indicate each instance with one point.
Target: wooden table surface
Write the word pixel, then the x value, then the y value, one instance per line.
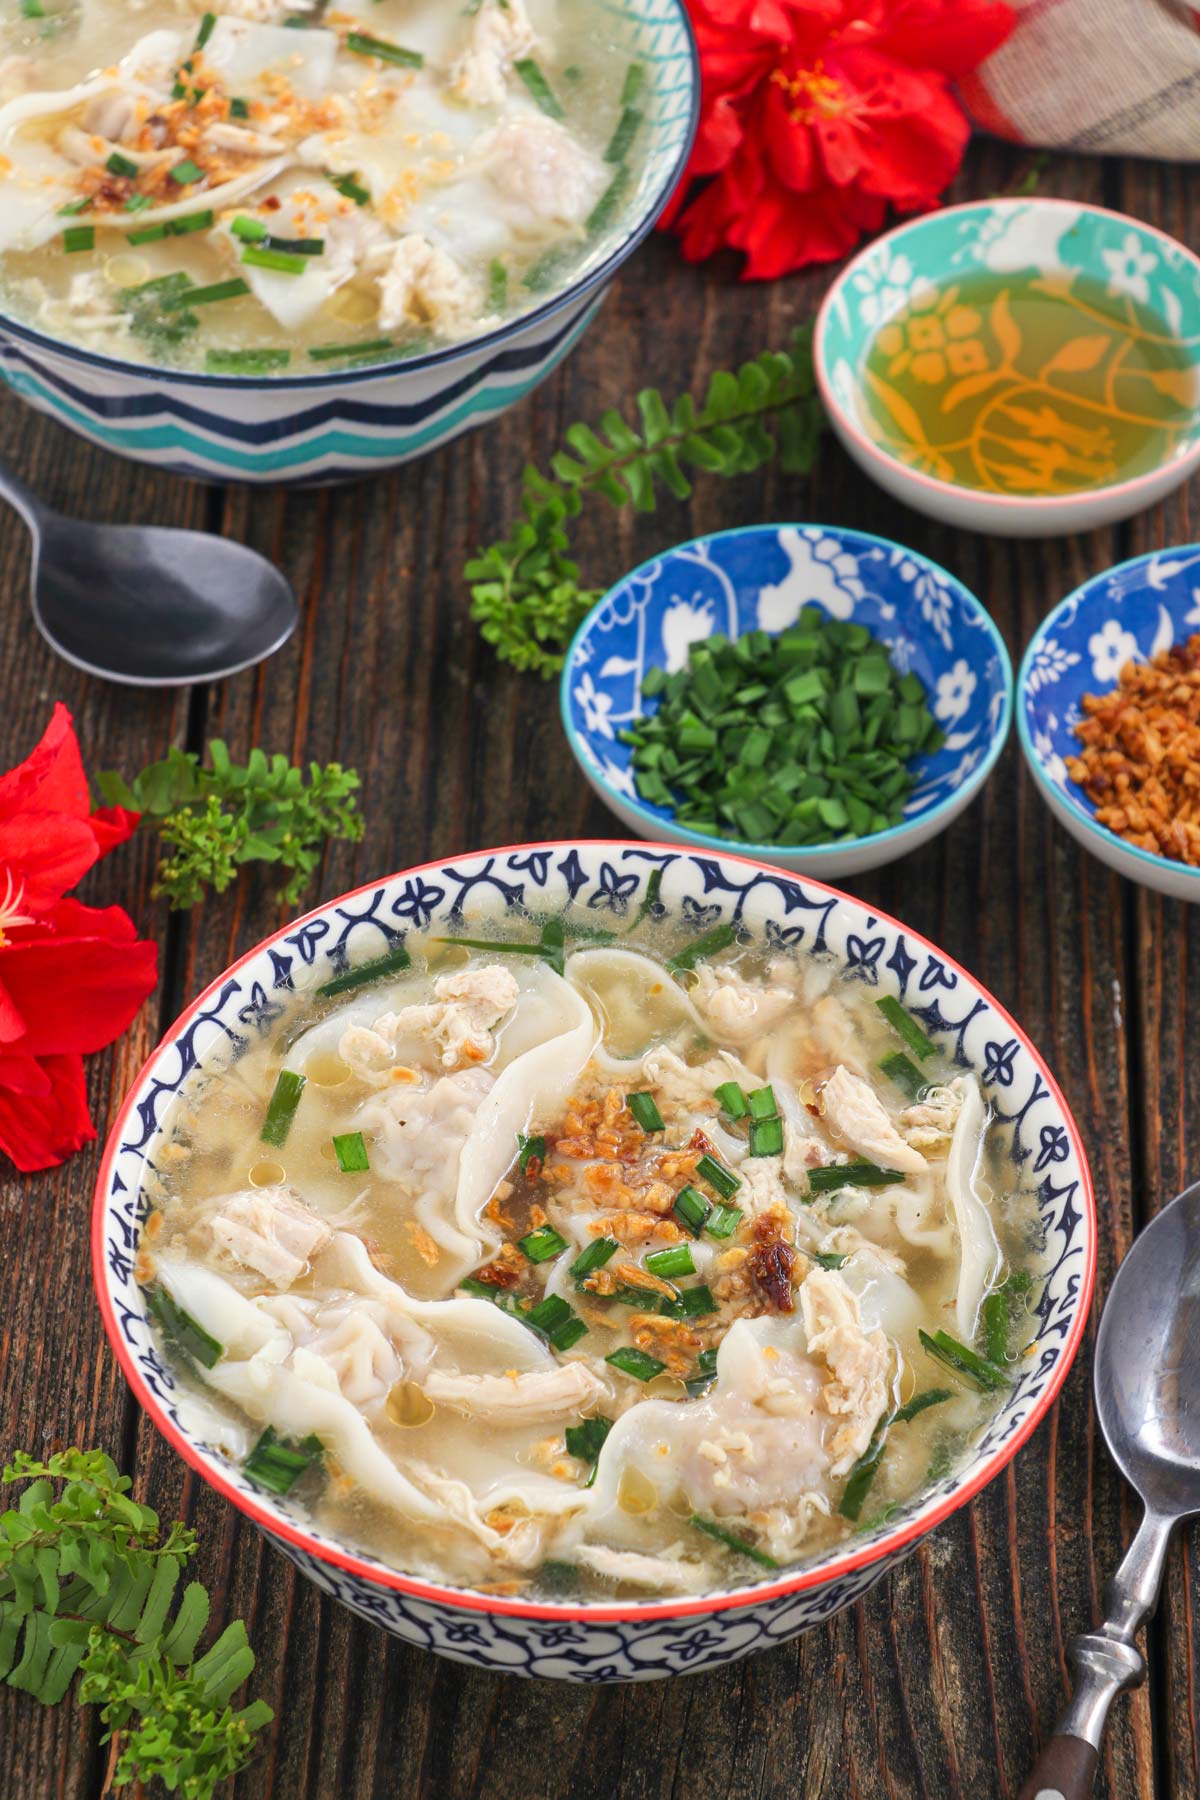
pixel 943 1680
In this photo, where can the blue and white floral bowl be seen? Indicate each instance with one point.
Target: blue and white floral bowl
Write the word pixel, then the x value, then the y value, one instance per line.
pixel 605 883
pixel 1129 259
pixel 758 578
pixel 1134 610
pixel 319 428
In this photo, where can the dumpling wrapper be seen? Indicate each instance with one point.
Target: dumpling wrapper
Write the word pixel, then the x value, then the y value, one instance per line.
pixel 980 1257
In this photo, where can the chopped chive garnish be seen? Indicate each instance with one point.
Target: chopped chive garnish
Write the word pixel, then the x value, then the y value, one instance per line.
pixel 239 109
pixel 693 1303
pixel 762 1103
pixel 601 214
pixel 479 1290
pixel 184 1331
pixel 691 954
pixel 32 9
pixel 586 1440
pixel 627 129
pixel 650 898
pixel 327 352
pixel 734 1103
pixel 277 1464
pixel 351 1153
pixel 497 298
pixel 365 973
pixel 283 262
pixel 828 1259
pixel 732 1541
pixel 362 45
pixel 692 1209
pixel 918 1404
pixel 79 237
pixel 904 1072
pixel 636 1363
pixel 186 172
pixel 644 1299
pixel 350 188
pixel 540 1245
pixel 717 1176
pixel 549 945
pixel 149 234
pixel 246 362
pixel 594 1256
pixel 858 1482
pixel 675 1261
pixel 206 29
pixel 554 1319
pixel 296 246
pixel 645 1110
pixel 120 165
pixel 1001 1309
pixel 766 1137
pixel 539 88
pixel 530 1149
pixel 74 207
pixel 204 296
pixel 282 1108
pixel 706 1374
pixel 559 1577
pixel 982 1374
pixel 635 78
pixel 248 229
pixel 723 1221
pixel 834 1176
pixel 137 203
pixel 197 221
pixel 906 1025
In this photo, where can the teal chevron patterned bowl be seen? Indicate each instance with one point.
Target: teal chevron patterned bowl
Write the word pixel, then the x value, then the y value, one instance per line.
pixel 322 428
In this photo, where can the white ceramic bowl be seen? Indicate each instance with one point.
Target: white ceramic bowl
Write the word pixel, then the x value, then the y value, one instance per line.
pixel 758 577
pixel 574 1640
pixel 1133 610
pixel 325 427
pixel 1002 237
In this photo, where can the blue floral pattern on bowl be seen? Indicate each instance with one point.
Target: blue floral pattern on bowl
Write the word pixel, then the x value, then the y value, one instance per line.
pixel 1133 611
pixel 759 578
pixel 623 1640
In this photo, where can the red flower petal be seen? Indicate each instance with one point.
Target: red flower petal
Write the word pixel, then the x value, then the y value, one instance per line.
pixel 113 825
pixel 40 1130
pixel 78 985
pixel 51 779
pixel 46 854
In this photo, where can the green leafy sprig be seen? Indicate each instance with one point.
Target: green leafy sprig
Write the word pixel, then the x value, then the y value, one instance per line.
pixel 213 820
pixel 526 592
pixel 88 1586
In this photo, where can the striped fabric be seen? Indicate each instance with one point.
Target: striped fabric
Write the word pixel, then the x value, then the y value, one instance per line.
pixel 1116 77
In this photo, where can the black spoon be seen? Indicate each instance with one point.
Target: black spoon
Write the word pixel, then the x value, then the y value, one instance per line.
pixel 149 605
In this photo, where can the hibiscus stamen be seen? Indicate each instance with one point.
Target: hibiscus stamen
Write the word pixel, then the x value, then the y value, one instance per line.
pixel 10 907
pixel 813 95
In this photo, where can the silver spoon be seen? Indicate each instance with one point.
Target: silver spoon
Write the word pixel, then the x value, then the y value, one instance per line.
pixel 1147 1381
pixel 149 605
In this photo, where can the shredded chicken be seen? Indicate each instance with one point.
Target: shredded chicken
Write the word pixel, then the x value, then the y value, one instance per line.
pixel 538 167
pixel 500 34
pixel 932 1120
pixel 854 1113
pixel 670 1569
pixel 532 1398
pixel 737 1009
pixel 422 284
pixel 858 1364
pixel 520 1545
pixel 459 1021
pixel 269 1230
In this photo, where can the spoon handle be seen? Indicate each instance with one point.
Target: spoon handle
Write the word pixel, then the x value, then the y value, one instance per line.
pixel 1105 1661
pixel 19 496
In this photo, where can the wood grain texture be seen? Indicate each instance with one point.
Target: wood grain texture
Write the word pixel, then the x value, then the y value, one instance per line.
pixel 941 1684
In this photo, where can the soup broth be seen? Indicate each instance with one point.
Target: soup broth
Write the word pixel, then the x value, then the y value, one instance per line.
pixel 650 1268
pixel 281 188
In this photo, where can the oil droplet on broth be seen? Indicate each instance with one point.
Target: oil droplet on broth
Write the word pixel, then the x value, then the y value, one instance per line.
pixel 666 1387
pixel 353 306
pixel 324 1069
pixel 408 1404
pixel 636 1493
pixel 127 271
pixel 267 1174
pixel 1028 383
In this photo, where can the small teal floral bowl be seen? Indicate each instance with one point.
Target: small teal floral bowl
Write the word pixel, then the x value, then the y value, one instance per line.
pixel 758 578
pixel 1132 611
pixel 1136 266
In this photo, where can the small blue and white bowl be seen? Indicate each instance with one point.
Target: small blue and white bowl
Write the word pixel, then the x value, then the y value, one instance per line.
pixel 1133 611
pixel 320 428
pixel 605 883
pixel 758 578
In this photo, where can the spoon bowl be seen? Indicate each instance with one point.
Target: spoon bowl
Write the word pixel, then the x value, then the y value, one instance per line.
pixel 149 605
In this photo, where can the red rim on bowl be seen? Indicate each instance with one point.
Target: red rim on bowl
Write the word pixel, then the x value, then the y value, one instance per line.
pixel 1039 503
pixel 377 1574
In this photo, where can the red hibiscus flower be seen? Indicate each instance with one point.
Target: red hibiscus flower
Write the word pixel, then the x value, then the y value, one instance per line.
pixel 72 977
pixel 818 114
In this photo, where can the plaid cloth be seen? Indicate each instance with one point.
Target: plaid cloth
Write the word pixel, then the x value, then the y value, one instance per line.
pixel 1119 77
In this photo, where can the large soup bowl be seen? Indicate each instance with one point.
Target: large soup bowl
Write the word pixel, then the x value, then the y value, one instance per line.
pixel 325 427
pixel 604 883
